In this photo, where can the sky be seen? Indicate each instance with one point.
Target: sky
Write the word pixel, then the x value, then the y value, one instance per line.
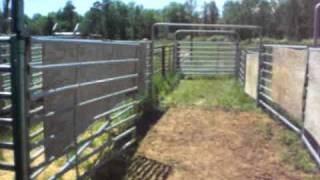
pixel 45 6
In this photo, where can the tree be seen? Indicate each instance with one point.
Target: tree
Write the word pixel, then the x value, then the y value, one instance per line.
pixel 231 12
pixel 190 8
pixel 5 14
pixel 210 13
pixel 92 21
pixel 68 17
pixel 175 12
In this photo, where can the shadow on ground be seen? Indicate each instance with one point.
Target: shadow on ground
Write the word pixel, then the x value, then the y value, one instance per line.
pixel 129 167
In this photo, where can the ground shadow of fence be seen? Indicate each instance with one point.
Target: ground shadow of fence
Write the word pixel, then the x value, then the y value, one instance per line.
pixel 130 167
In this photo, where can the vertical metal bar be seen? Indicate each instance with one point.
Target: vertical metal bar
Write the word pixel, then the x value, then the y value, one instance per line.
pixel 75 116
pixel 153 38
pixel 175 53
pixel 163 61
pixel 316 24
pixel 19 91
pixel 305 95
pixel 191 46
pixel 169 58
pixel 260 66
pixel 238 61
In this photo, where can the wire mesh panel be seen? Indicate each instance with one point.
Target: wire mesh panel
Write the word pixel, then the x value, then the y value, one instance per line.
pixel 312 113
pixel 206 57
pixel 282 80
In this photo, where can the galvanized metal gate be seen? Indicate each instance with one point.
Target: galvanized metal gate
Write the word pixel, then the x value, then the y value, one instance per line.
pixel 207 58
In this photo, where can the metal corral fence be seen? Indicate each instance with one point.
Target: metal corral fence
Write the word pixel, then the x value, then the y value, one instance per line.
pixel 81 101
pixel 242 66
pixel 284 79
pixel 207 58
pixel 163 59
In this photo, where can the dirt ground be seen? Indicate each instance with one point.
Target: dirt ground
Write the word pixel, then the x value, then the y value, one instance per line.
pixel 217 144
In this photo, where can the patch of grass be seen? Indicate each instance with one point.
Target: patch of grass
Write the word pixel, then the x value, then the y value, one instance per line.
pixel 163 86
pixel 266 129
pixel 296 154
pixel 222 92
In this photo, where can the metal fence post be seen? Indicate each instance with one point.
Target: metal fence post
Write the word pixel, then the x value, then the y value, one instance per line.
pixel 163 61
pixel 260 67
pixel 19 92
pixel 238 60
pixel 19 109
pixel 191 47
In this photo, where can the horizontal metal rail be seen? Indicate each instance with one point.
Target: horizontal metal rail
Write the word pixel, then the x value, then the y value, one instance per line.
pixel 37 155
pixel 81 64
pixel 5 121
pixel 115 109
pixel 285 46
pixel 267 63
pixel 208 48
pixel 211 61
pixel 282 118
pixel 207 70
pixel 224 26
pixel 71 163
pixel 7 145
pixel 5 68
pixel 209 74
pixel 109 95
pixel 267 54
pixel 265 88
pixel 5 95
pixel 264 95
pixel 54 113
pixel 207 66
pixel 36 133
pixel 266 80
pixel 313 152
pixel 7 167
pixel 206 43
pixel 85 143
pixel 205 56
pixel 79 85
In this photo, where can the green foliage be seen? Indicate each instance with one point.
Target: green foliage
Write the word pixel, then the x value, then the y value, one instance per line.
pixel 114 19
pixel 279 19
pixel 222 92
pixel 266 129
pixel 296 154
pixel 41 25
pixel 176 12
pixel 210 12
pixel 67 17
pixel 163 86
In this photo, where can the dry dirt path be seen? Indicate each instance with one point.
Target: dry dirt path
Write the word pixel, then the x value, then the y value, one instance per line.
pixel 215 144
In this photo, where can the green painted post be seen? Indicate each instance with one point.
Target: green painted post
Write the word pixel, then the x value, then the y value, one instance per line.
pixel 19 92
